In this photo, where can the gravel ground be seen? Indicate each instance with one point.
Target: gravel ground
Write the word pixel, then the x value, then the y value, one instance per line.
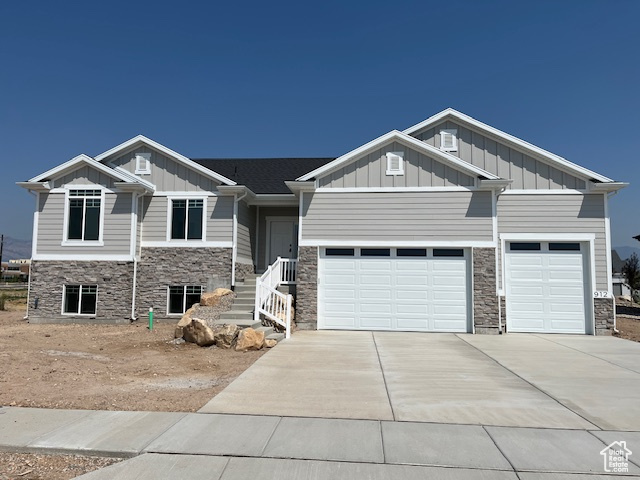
pixel 28 466
pixel 628 319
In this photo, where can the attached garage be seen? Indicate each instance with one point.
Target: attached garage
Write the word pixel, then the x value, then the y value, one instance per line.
pixel 546 287
pixel 403 289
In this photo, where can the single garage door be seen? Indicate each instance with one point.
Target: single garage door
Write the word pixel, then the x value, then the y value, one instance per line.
pixel 407 289
pixel 546 287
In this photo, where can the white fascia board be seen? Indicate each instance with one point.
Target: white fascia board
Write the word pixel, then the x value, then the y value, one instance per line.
pixel 86 257
pixel 134 178
pixel 608 187
pixel 274 200
pixel 35 186
pixel 456 115
pixel 407 140
pixel 141 139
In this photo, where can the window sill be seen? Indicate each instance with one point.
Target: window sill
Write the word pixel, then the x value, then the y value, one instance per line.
pixel 449 149
pixel 81 243
pixel 143 172
pixel 83 315
pixel 395 172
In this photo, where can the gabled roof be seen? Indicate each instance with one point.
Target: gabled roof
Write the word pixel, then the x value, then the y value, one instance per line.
pixel 407 140
pixel 509 139
pixel 263 175
pixel 73 164
pixel 142 140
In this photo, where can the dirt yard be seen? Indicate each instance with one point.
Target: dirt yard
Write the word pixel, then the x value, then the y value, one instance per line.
pixel 27 466
pixel 628 320
pixel 109 367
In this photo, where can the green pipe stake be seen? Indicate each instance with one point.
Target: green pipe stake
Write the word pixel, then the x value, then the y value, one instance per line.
pixel 150 318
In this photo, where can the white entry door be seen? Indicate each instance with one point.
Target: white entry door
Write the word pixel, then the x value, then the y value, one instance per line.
pixel 546 287
pixel 283 239
pixel 405 289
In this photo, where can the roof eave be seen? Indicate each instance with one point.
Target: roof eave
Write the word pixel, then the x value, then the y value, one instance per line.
pixel 607 186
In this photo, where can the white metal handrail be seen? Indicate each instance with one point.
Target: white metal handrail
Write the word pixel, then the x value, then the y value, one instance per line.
pixel 271 303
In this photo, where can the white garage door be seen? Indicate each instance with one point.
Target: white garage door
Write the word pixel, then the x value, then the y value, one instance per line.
pixel 408 289
pixel 545 287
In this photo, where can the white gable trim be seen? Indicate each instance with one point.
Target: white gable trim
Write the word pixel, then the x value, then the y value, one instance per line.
pixel 552 157
pixel 141 139
pixel 408 141
pixel 73 165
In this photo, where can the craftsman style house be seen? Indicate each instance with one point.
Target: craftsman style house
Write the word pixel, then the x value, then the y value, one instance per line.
pixel 448 226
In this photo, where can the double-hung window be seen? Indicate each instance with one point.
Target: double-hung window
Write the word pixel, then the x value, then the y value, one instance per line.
pixel 80 299
pixel 182 298
pixel 84 214
pixel 187 219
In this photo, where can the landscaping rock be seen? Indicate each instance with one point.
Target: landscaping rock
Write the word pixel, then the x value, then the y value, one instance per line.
pixel 249 339
pixel 270 342
pixel 199 332
pixel 211 299
pixel 225 335
pixel 184 321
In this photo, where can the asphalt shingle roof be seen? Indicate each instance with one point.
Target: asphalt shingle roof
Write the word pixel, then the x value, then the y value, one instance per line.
pixel 263 175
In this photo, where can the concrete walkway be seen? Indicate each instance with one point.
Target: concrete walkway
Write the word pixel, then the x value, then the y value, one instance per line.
pixel 211 446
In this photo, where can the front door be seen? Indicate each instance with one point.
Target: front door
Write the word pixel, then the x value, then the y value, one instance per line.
pixel 283 239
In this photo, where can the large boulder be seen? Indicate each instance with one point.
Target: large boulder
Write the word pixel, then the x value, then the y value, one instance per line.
pixel 249 339
pixel 212 299
pixel 225 335
pixel 184 321
pixel 197 331
pixel 270 342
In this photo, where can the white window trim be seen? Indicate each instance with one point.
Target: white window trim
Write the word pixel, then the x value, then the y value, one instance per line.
pixel 184 297
pixel 400 170
pixel 454 134
pixel 64 294
pixel 140 170
pixel 178 241
pixel 65 223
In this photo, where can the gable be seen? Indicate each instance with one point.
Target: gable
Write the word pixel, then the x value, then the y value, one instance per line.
pixel 369 170
pixel 501 159
pixel 84 175
pixel 166 174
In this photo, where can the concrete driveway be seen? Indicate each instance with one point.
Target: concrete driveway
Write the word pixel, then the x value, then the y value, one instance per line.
pixel 544 381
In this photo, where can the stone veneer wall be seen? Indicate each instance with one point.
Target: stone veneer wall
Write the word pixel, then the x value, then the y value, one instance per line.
pixel 161 267
pixel 307 289
pixel 244 270
pixel 485 300
pixel 115 289
pixel 603 309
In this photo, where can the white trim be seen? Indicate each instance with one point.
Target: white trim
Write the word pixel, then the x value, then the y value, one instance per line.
pixel 564 191
pixel 134 221
pixel 170 199
pixel 256 250
pixel 172 193
pixel 454 136
pixel 147 163
pixel 234 240
pixel 65 222
pixel 394 243
pixel 607 234
pixel 141 139
pixel 93 186
pixel 107 257
pixel 494 224
pixel 408 141
pixel 71 314
pixel 186 244
pixel 450 112
pixel 82 158
pixel 274 200
pixel 300 211
pixel 390 156
pixel 393 189
pixel 34 238
pixel 267 221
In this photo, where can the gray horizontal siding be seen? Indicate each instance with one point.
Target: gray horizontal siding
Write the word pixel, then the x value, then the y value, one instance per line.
pixel 167 174
pixel 407 216
pixel 558 214
pixel 419 171
pixel 502 160
pixel 219 219
pixel 246 231
pixel 84 176
pixel 116 233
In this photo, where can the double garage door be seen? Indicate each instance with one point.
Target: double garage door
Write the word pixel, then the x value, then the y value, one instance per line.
pixel 405 289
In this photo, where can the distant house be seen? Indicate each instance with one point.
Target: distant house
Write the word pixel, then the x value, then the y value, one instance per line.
pixel 448 226
pixel 15 270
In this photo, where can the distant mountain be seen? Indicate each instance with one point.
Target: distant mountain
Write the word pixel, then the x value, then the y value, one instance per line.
pixel 14 249
pixel 625 252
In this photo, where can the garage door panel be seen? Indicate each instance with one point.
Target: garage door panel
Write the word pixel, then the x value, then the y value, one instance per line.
pixel 412 309
pixel 375 322
pixel 340 321
pixel 411 295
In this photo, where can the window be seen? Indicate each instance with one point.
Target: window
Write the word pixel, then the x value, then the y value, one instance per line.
pixel 395 164
pixel 80 299
pixel 566 247
pixel 84 215
pixel 519 246
pixel 182 298
pixel 143 163
pixel 340 252
pixel 412 252
pixel 448 252
pixel 375 252
pixel 187 219
pixel 449 139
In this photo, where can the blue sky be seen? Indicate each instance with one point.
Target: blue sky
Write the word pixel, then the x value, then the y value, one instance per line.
pixel 291 78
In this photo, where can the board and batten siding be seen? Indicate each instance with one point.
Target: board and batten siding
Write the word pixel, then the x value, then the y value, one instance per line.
pixel 502 160
pixel 246 232
pixel 540 214
pixel 167 174
pixel 84 176
pixel 219 219
pixel 419 171
pixel 116 232
pixel 402 216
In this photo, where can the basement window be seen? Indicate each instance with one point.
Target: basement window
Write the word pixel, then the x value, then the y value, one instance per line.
pixel 182 298
pixel 80 299
pixel 395 163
